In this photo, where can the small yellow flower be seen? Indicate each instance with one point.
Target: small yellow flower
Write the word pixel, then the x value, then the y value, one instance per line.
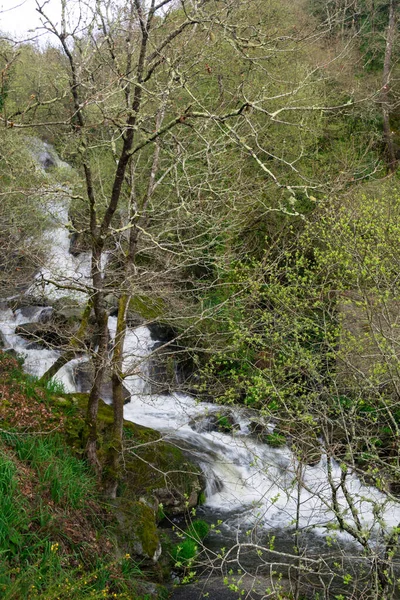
pixel 127 556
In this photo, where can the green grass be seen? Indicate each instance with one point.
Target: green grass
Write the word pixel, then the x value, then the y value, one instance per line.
pixel 42 485
pixel 198 530
pixel 54 540
pixel 186 551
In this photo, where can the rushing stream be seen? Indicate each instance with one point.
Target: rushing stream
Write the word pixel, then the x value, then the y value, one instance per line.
pixel 249 485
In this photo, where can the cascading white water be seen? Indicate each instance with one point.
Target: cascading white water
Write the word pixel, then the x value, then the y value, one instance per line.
pixel 245 478
pixel 254 481
pixel 61 267
pixel 37 360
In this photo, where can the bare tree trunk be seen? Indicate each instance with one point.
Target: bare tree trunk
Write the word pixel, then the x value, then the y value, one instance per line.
pixel 390 36
pixel 100 357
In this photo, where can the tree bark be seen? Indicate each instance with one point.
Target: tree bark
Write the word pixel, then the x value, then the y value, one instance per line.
pixel 390 36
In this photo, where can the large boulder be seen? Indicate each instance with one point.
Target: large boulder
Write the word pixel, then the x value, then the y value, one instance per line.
pixel 152 469
pixel 26 301
pixel 47 335
pixel 222 420
pixel 55 327
pixel 68 310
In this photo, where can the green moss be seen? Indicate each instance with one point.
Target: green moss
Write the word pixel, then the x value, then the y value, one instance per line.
pixel 202 498
pixel 152 466
pixel 136 528
pixel 146 528
pixel 275 440
pixel 148 307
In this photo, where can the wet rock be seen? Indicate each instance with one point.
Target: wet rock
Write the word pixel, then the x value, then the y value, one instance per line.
pixel 267 433
pixel 111 301
pixel 395 488
pixel 26 301
pixel 133 318
pixel 55 326
pixel 45 334
pixel 216 485
pixel 79 244
pixel 39 314
pixel 67 310
pixel 11 352
pixel 84 378
pixel 162 374
pixel 161 332
pixel 46 160
pixel 223 421
pixel 258 428
pixel 34 346
pixel 174 503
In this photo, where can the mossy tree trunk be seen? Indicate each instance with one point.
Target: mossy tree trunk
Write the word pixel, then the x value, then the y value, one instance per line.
pixel 100 359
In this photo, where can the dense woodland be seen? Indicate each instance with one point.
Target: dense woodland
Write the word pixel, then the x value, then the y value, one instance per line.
pixel 236 162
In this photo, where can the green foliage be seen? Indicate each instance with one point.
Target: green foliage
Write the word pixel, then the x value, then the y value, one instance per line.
pixel 54 387
pixel 67 478
pixel 275 439
pixel 368 20
pixel 197 530
pixel 184 552
pixel 224 423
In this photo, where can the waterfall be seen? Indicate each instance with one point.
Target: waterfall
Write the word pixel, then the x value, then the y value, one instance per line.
pixel 247 481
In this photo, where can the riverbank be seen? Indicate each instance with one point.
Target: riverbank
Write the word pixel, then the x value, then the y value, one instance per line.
pixel 59 537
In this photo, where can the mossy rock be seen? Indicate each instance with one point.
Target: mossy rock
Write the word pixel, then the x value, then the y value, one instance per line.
pixel 136 529
pixel 152 468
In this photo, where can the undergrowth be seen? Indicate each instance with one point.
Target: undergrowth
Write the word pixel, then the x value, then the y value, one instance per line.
pixel 54 541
